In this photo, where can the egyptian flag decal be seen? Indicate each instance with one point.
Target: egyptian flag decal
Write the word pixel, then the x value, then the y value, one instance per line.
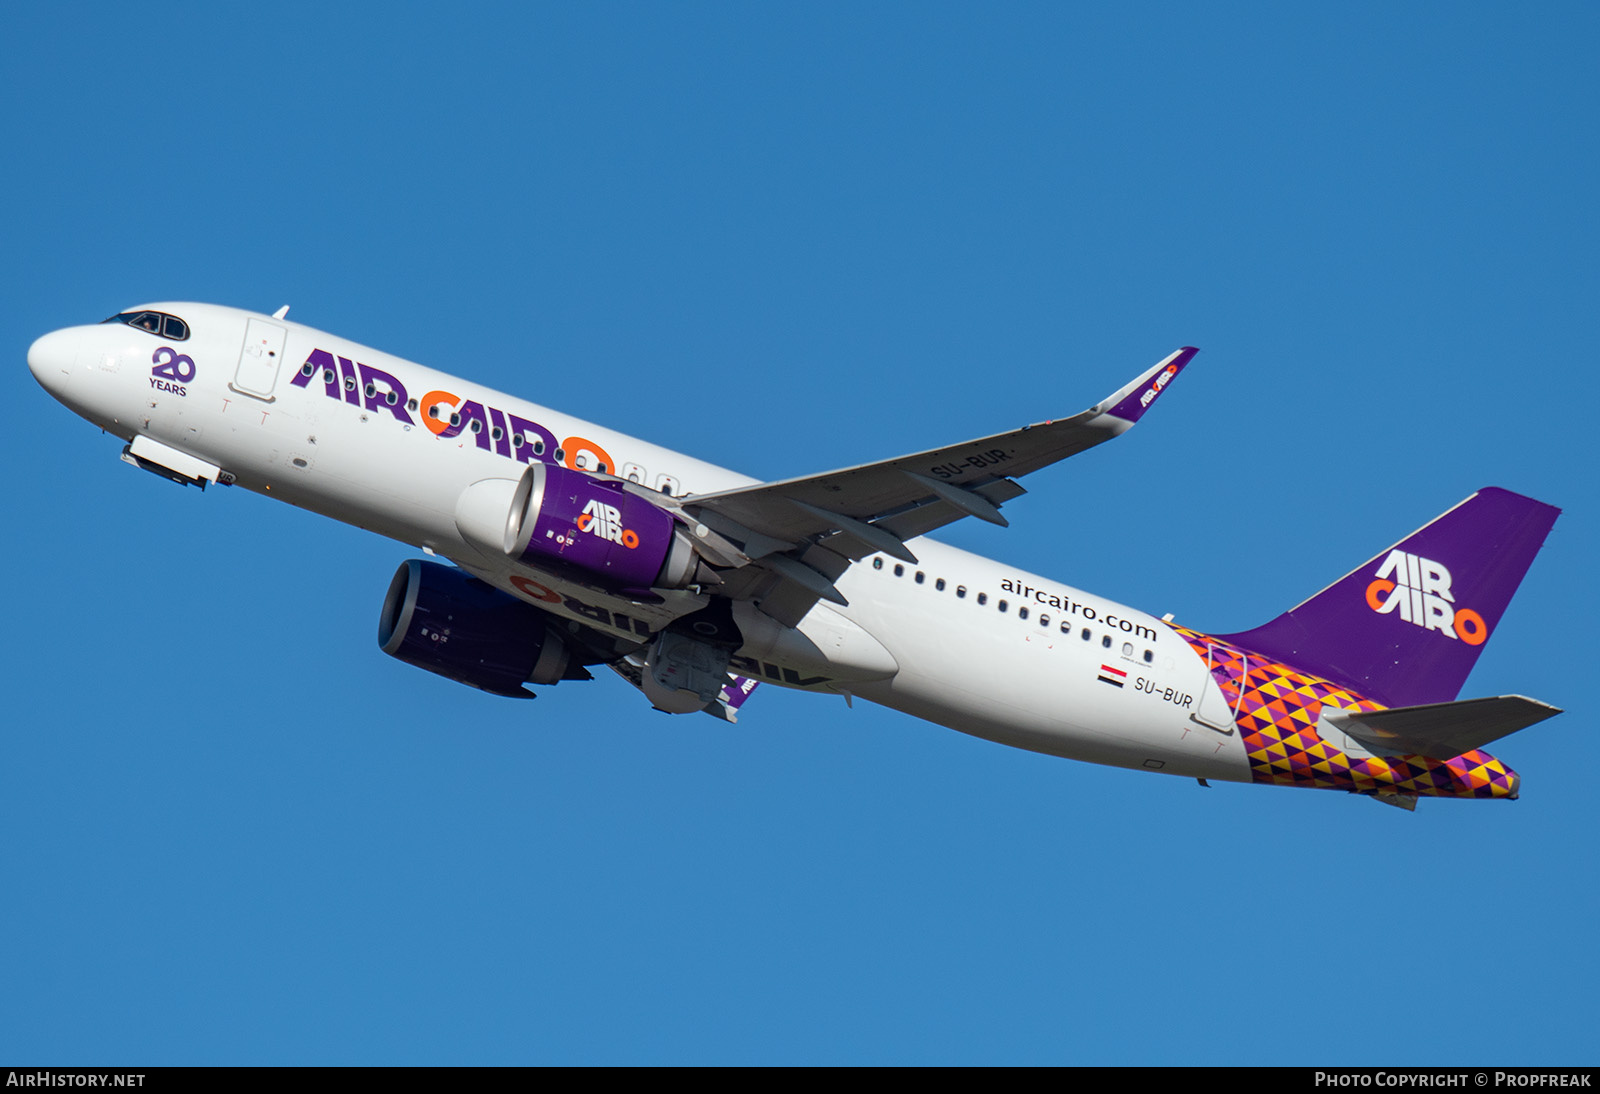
pixel 1114 677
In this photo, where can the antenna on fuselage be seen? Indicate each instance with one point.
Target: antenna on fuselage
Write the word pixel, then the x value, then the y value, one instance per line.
pixel 281 312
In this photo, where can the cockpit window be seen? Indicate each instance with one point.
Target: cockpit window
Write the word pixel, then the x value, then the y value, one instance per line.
pixel 157 323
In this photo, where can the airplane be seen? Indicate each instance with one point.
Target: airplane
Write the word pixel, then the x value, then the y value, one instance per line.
pixel 571 546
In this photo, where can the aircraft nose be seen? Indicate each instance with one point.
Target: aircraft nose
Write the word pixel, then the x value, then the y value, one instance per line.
pixel 52 359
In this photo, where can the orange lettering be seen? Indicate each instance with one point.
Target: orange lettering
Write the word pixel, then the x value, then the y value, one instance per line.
pixel 574 445
pixel 1375 593
pixel 1480 631
pixel 432 399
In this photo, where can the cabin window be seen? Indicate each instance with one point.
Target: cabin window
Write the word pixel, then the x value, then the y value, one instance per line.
pixel 877 564
pixel 411 405
pixel 920 577
pixel 476 426
pixel 349 383
pixel 307 370
pixel 1086 634
pixel 899 570
pixel 1149 656
pixel 328 378
pixel 538 447
pixel 1044 621
pixel 939 585
pixel 1003 606
pixel 961 591
pixel 983 598
pixel 1022 613
pixel 1127 649
pixel 497 433
pixel 371 390
pixel 561 454
pixel 1106 642
pixel 391 398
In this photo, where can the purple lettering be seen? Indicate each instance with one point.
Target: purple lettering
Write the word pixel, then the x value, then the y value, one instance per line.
pixel 388 393
pixel 347 370
pixel 464 417
pixel 502 443
pixel 530 432
pixel 319 360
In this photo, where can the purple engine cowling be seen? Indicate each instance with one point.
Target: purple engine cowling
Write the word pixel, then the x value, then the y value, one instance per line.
pixel 597 526
pixel 448 622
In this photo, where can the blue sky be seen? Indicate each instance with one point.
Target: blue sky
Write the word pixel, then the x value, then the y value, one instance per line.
pixel 790 239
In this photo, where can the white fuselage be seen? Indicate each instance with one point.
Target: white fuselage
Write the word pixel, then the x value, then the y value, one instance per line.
pixel 956 639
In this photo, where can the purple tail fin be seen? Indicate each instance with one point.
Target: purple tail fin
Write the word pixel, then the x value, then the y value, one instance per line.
pixel 1406 627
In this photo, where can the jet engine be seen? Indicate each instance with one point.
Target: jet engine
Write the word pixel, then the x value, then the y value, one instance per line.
pixel 553 515
pixel 443 620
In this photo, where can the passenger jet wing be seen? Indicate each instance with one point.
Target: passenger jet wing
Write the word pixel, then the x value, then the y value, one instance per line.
pixel 856 511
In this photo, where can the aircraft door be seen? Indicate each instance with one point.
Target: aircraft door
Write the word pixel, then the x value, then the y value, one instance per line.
pixel 260 359
pixel 1216 710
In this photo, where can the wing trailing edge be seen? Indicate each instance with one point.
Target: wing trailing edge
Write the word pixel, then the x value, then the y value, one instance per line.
pixel 856 511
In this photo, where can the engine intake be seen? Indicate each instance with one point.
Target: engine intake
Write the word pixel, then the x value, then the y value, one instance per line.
pixel 443 620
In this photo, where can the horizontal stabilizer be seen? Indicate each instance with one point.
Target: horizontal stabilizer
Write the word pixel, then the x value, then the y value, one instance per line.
pixel 1408 802
pixel 1442 730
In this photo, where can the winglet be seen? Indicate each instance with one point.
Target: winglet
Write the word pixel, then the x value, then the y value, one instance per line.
pixel 1131 402
pixel 732 697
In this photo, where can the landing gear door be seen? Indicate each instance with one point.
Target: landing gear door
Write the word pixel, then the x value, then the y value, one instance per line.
pixel 1217 710
pixel 260 359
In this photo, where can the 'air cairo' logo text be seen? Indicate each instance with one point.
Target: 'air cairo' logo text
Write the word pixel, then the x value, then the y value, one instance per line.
pixel 1420 589
pixel 1160 382
pixel 600 519
pixel 448 416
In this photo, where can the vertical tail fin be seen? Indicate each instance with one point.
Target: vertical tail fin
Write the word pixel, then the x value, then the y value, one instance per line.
pixel 1406 627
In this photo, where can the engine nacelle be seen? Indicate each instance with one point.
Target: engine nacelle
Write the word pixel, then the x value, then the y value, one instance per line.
pixel 598 527
pixel 562 515
pixel 443 620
